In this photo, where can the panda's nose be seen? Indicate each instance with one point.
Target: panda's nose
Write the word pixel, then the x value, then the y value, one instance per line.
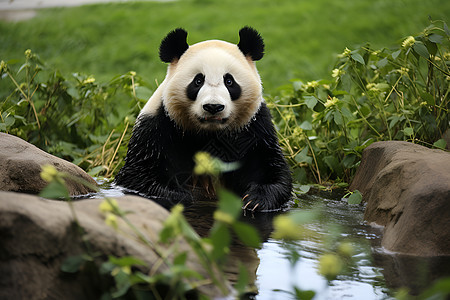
pixel 213 108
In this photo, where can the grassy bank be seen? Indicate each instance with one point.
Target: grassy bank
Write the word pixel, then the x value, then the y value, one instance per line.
pixel 302 37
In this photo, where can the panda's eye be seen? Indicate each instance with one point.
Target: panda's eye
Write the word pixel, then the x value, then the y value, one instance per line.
pixel 199 80
pixel 229 80
pixel 232 86
pixel 194 87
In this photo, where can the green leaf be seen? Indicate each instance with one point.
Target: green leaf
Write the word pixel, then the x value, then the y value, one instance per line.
pixel 427 97
pixel 436 38
pixel 348 161
pixel 72 264
pixel 333 163
pixel 420 49
pixel 338 119
pixel 310 101
pixel 180 259
pixel 298 85
pixel 396 54
pixel 382 63
pixel 122 280
pixel 299 175
pixel 303 188
pixel 242 280
pixel 304 295
pixel 306 125
pixel 346 81
pixel 357 57
pixel 143 92
pixel 229 203
pixel 9 121
pixel 247 234
pixel 221 239
pixel 126 261
pixel 96 170
pixel 408 131
pixel 447 31
pixel 442 144
pixel 355 198
pixel 55 190
pixel 431 47
pixel 303 157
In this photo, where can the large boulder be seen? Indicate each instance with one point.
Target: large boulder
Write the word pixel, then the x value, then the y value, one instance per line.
pixel 21 162
pixel 407 190
pixel 38 235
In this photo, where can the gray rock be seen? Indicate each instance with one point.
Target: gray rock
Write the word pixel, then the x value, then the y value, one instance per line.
pixel 20 165
pixel 37 235
pixel 407 190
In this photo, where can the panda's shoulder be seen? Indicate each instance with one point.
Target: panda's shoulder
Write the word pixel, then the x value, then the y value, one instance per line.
pixel 153 126
pixel 262 121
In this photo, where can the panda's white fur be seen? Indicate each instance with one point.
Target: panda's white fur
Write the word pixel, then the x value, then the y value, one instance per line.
pixel 213 59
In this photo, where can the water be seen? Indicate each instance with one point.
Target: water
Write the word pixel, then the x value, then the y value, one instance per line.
pixel 374 274
pixel 362 280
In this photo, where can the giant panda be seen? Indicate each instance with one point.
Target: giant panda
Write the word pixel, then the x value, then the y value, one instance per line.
pixel 210 100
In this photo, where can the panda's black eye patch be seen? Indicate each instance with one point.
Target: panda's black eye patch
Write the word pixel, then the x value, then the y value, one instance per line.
pixel 232 86
pixel 194 87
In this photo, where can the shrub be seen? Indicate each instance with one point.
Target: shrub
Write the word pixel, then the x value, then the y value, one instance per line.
pixel 73 117
pixel 388 94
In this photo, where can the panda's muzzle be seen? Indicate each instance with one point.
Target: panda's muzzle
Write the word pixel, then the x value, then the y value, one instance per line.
pixel 213 108
pixel 212 114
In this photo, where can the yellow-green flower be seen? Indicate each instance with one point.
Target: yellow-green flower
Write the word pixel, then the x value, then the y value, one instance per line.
pixel 108 206
pixel 330 265
pixel 408 42
pixel 28 53
pixel 371 87
pixel 3 66
pixel 90 79
pixel 312 84
pixel 49 173
pixel 403 71
pixel 132 73
pixel 345 249
pixel 111 220
pixel 285 228
pixel 346 53
pixel 297 133
pixel 337 73
pixel 446 56
pixel 223 217
pixel 331 102
pixel 206 164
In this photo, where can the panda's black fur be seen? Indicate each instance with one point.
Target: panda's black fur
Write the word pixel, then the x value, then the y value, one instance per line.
pixel 159 162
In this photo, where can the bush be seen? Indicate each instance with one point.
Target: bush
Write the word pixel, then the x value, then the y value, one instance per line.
pixel 388 94
pixel 72 117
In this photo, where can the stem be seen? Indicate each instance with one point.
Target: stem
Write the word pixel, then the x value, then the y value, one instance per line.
pixel 314 157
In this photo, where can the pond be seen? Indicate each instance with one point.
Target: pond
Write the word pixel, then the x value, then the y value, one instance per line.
pixel 363 280
pixel 373 274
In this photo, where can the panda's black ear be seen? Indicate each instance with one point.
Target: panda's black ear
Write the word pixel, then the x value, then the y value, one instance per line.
pixel 173 45
pixel 251 43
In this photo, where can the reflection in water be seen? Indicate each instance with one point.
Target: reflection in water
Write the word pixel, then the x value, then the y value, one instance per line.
pixel 200 217
pixel 376 274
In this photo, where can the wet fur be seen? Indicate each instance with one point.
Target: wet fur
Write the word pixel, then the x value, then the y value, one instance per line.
pixel 160 161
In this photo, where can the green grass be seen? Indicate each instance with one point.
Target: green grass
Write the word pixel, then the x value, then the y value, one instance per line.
pixel 302 37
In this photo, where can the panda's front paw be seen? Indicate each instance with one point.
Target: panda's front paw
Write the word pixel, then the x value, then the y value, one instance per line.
pixel 266 197
pixel 258 198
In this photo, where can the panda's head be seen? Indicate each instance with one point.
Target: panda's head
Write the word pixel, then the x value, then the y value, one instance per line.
pixel 212 85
